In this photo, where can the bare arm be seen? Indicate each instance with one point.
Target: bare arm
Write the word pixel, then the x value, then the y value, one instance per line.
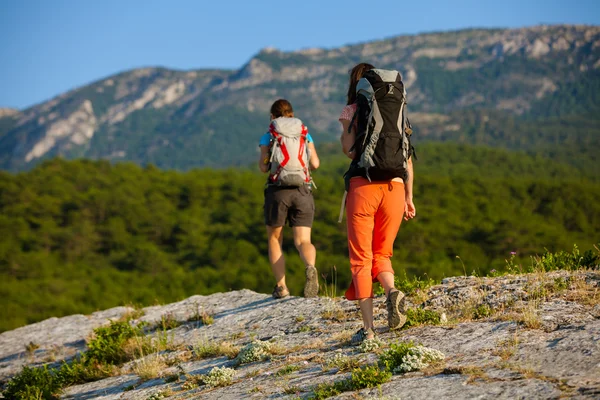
pixel 347 139
pixel 409 208
pixel 314 158
pixel 263 161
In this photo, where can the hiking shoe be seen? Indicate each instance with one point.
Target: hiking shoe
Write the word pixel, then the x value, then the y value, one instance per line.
pixel 361 335
pixel 279 292
pixel 311 286
pixel 396 308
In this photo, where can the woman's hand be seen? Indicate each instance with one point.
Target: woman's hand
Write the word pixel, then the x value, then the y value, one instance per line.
pixel 409 209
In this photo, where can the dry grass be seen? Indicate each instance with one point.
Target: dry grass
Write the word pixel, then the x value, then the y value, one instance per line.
pixel 529 316
pixel 343 336
pixel 237 335
pixel 253 373
pixel 141 346
pixel 474 373
pixel 526 316
pixel 150 367
pixel 294 359
pixel 135 312
pixel 334 313
pixel 204 349
pixel 419 296
pixel 256 389
pixel 278 349
pixel 54 353
pixel 583 292
pixel 505 349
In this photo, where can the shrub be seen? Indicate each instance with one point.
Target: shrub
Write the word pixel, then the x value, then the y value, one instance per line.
pixel 566 261
pixel 482 311
pixel 369 376
pixel 288 369
pixel 34 384
pixel 419 316
pixel 107 345
pixel 408 286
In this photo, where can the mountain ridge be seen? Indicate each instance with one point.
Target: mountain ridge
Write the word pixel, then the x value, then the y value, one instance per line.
pixel 175 118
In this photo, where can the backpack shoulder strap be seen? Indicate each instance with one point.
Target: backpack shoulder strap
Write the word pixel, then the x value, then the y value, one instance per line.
pixel 273 131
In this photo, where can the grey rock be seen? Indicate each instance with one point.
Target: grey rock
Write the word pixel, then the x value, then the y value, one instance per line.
pixel 493 357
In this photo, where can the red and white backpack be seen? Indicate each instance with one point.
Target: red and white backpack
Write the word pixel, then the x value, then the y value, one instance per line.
pixel 289 153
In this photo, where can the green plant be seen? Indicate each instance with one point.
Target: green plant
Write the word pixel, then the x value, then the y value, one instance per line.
pixel 343 363
pixel 81 371
pixel 168 322
pixel 107 345
pixel 325 390
pixel 567 261
pixel 171 378
pixel 160 395
pixel 292 389
pixel 366 377
pixel 205 349
pixel 410 286
pixel 482 311
pixel 369 376
pixel 511 265
pixel 420 316
pixel 34 384
pixel 331 288
pixel 288 369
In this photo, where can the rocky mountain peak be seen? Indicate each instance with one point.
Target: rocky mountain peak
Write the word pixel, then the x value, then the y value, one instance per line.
pixel 508 70
pixel 8 112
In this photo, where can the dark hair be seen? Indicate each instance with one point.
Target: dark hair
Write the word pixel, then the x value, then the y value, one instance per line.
pixel 282 108
pixel 355 74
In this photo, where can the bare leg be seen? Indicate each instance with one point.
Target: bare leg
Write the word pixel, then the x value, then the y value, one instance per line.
pixel 305 248
pixel 366 310
pixel 275 239
pixel 308 254
pixel 386 279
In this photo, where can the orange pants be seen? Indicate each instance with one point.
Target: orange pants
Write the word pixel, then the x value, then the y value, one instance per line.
pixel 374 212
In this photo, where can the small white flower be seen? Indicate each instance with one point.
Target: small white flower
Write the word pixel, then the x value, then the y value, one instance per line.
pixel 255 351
pixel 219 376
pixel 369 345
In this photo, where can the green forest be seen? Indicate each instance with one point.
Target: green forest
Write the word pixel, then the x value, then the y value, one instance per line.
pixel 80 236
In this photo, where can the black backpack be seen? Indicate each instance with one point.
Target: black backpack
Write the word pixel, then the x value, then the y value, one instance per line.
pixel 383 131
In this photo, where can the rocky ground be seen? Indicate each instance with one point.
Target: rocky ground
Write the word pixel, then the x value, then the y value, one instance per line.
pixel 534 336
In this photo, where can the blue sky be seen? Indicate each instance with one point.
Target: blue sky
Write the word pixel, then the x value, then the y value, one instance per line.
pixel 51 46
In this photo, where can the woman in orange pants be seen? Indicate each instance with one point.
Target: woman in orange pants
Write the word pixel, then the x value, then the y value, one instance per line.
pixel 374 213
